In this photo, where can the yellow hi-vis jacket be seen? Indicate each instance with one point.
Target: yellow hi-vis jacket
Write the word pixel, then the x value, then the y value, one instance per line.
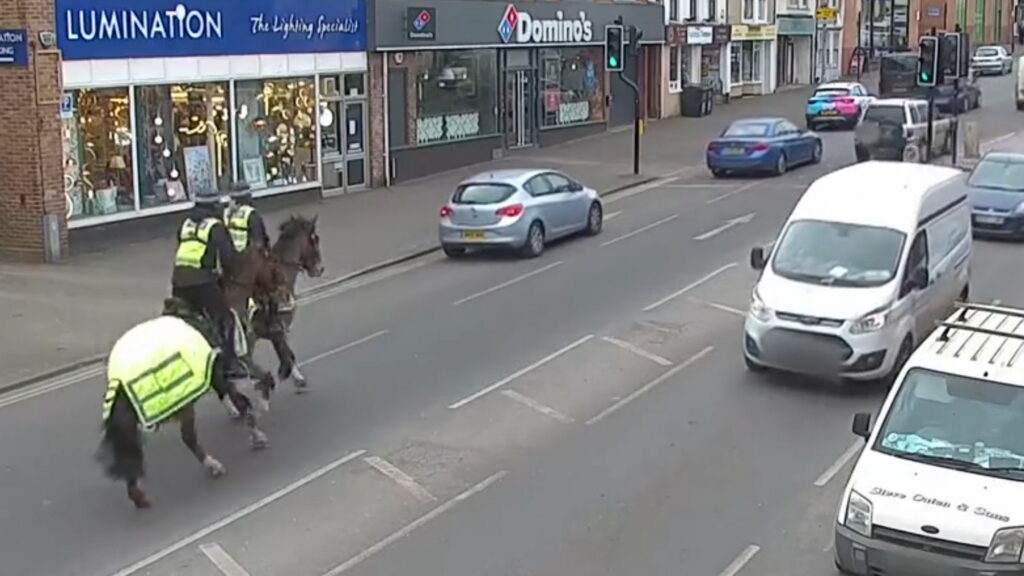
pixel 163 365
pixel 237 220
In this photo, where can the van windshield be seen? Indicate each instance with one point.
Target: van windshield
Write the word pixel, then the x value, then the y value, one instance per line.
pixel 956 422
pixel 840 254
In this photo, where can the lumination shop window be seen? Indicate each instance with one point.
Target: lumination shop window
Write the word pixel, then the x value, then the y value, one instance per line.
pixel 276 132
pixel 97 154
pixel 751 61
pixel 456 93
pixel 184 141
pixel 571 86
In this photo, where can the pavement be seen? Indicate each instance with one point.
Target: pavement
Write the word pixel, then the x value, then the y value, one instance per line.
pixel 586 413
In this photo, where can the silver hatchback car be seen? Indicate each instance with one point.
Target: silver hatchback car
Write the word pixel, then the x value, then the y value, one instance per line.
pixel 520 209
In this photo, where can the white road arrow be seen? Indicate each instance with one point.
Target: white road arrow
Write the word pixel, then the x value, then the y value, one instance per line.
pixel 728 224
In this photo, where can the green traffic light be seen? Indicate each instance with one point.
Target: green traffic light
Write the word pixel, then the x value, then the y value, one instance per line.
pixel 613 62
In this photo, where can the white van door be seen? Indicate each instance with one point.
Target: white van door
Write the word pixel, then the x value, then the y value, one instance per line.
pixel 920 298
pixel 949 250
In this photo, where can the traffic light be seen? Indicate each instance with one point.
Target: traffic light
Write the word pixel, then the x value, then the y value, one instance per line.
pixel 614 47
pixel 949 56
pixel 928 61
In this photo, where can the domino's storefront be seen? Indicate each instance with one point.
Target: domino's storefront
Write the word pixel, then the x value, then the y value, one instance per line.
pixel 468 80
pixel 165 98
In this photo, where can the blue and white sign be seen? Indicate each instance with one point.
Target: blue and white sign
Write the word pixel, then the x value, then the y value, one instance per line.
pixel 13 47
pixel 97 29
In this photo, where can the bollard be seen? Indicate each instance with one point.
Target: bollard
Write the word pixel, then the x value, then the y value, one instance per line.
pixel 970 139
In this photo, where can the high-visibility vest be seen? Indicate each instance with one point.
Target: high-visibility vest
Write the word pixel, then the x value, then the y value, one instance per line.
pixel 237 220
pixel 163 365
pixel 193 240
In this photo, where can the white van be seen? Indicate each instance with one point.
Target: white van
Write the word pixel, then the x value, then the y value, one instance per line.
pixel 870 258
pixel 1018 85
pixel 939 487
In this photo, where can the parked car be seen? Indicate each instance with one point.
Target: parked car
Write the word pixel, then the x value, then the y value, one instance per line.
pixel 992 60
pixel 996 192
pixel 837 104
pixel 520 209
pixel 897 128
pixel 767 144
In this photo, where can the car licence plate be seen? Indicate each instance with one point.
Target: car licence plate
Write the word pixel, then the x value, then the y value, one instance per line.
pixel 733 151
pixel 473 235
pixel 829 112
pixel 993 220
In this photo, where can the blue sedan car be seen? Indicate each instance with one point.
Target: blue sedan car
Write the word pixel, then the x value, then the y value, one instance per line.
pixel 996 193
pixel 762 145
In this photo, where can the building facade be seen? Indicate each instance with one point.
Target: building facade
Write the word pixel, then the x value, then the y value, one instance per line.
pixel 696 52
pixel 467 80
pixel 753 56
pixel 797 29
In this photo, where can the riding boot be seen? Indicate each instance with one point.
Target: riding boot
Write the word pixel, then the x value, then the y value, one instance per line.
pixel 233 365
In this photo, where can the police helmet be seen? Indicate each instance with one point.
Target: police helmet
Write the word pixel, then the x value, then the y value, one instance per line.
pixel 240 191
pixel 208 197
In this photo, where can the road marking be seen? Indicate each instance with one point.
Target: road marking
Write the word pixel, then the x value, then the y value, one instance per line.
pixel 630 347
pixel 409 528
pixel 401 478
pixel 650 385
pixel 717 306
pixel 689 287
pixel 57 384
pixel 371 278
pixel 239 514
pixel 608 217
pixel 640 230
pixel 730 223
pixel 520 372
pixel 739 190
pixel 836 466
pixel 659 328
pixel 542 408
pixel 659 183
pixel 698 186
pixel 998 139
pixel 515 280
pixel 343 348
pixel 740 561
pixel 222 560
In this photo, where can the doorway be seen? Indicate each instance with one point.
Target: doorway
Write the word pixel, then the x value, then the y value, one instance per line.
pixel 787 61
pixel 342 120
pixel 520 98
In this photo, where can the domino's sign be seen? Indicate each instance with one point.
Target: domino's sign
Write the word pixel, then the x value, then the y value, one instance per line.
pixel 519 27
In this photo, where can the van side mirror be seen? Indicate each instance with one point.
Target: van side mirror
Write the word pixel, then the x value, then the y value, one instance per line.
pixel 757 258
pixel 862 424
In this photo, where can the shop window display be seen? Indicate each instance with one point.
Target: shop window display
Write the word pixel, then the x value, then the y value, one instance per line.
pixel 184 141
pixel 98 177
pixel 276 132
pixel 456 95
pixel 571 86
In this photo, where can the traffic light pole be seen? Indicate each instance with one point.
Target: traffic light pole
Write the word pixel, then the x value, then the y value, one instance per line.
pixel 956 118
pixel 637 120
pixel 931 125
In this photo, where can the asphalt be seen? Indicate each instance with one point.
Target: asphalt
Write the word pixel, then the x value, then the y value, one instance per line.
pixel 498 416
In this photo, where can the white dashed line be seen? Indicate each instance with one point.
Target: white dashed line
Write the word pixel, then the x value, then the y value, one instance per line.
pixel 689 287
pixel 409 528
pixel 629 347
pixel 740 561
pixel 717 306
pixel 650 385
pixel 608 217
pixel 222 560
pixel 542 408
pixel 640 230
pixel 401 478
pixel 739 190
pixel 515 280
pixel 836 466
pixel 520 372
pixel 343 348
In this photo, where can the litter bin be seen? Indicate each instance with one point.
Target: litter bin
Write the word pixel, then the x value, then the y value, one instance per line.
pixel 696 101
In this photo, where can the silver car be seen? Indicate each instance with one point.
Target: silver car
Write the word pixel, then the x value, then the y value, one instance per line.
pixel 992 60
pixel 520 209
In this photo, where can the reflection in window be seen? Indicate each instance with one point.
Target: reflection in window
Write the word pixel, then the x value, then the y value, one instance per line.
pixel 456 95
pixel 184 141
pixel 97 154
pixel 275 131
pixel 571 86
pixel 751 61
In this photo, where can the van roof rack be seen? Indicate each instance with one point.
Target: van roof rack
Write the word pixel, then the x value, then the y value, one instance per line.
pixel 1002 314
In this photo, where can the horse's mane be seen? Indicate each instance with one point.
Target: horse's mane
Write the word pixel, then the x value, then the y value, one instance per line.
pixel 290 230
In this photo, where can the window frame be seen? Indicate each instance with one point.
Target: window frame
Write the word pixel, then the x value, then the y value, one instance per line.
pixel 674 11
pixel 528 186
pixel 675 87
pixel 921 238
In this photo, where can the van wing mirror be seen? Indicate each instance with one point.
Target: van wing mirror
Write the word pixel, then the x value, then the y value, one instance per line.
pixel 862 424
pixel 758 258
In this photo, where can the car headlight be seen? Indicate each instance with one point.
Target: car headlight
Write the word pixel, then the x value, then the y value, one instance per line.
pixel 1006 547
pixel 757 308
pixel 1019 208
pixel 871 322
pixel 858 514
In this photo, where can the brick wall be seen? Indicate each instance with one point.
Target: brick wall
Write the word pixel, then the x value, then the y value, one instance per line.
pixel 378 108
pixel 31 181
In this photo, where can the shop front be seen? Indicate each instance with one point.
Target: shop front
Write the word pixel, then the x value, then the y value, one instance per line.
pixel 694 55
pixel 467 81
pixel 163 100
pixel 752 60
pixel 795 49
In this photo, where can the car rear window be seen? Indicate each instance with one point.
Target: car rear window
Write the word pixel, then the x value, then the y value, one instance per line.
pixel 747 130
pixel 483 193
pixel 899 64
pixel 884 114
pixel 987 52
pixel 831 92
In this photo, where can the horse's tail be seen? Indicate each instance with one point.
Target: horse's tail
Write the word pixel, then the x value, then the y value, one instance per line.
pixel 120 451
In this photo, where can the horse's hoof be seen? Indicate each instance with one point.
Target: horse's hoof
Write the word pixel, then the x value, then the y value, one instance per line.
pixel 213 466
pixel 139 498
pixel 259 440
pixel 231 408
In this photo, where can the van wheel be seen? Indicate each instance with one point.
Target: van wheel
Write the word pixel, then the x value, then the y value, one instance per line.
pixel 902 355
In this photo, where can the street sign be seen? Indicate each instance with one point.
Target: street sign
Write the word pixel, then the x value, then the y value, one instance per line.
pixel 826 13
pixel 13 47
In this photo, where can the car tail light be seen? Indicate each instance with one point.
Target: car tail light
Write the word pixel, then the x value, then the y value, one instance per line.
pixel 844 100
pixel 761 147
pixel 446 211
pixel 510 211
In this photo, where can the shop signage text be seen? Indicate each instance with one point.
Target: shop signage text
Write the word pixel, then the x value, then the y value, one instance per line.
pixel 826 13
pixel 421 23
pixel 88 29
pixel 744 32
pixel 519 27
pixel 699 35
pixel 13 48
